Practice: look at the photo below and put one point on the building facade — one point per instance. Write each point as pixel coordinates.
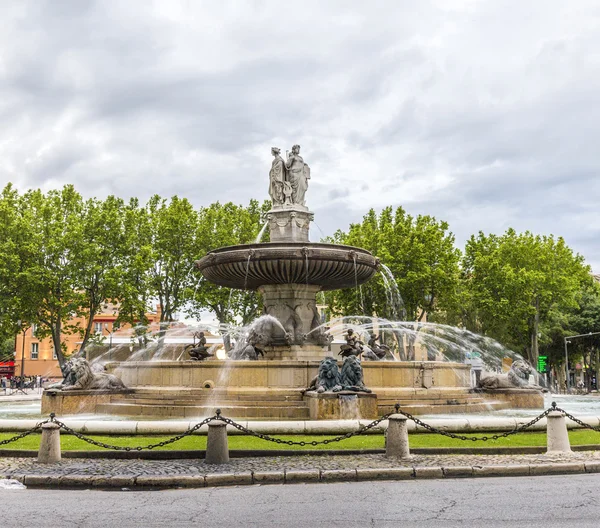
(36, 356)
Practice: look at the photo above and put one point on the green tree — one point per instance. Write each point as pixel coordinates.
(227, 225)
(50, 293)
(580, 320)
(420, 253)
(99, 261)
(173, 230)
(7, 348)
(136, 262)
(517, 283)
(11, 261)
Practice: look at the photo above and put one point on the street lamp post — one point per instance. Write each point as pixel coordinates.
(22, 376)
(567, 366)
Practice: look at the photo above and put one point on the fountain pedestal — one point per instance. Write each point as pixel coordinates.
(289, 223)
(343, 405)
(295, 306)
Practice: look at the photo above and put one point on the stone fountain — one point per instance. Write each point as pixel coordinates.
(289, 271)
(296, 376)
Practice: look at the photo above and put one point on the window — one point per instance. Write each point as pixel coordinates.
(33, 329)
(98, 328)
(35, 348)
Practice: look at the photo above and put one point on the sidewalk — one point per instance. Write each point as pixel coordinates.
(12, 395)
(137, 474)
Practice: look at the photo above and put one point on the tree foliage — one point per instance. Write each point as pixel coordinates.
(227, 225)
(519, 283)
(419, 252)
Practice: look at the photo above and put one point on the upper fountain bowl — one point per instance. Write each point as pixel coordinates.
(250, 266)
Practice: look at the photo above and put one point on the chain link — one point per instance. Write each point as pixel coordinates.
(302, 443)
(576, 420)
(432, 429)
(24, 434)
(128, 448)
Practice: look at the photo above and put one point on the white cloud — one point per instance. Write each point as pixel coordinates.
(483, 113)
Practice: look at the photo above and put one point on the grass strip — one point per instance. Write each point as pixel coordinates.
(69, 442)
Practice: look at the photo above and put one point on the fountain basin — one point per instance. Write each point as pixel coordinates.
(273, 390)
(249, 266)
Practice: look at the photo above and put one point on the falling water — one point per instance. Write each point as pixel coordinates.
(261, 232)
(250, 253)
(362, 304)
(395, 300)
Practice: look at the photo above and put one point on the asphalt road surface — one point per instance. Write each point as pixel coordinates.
(483, 502)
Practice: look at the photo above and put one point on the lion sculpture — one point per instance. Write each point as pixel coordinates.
(78, 375)
(352, 375)
(516, 378)
(328, 378)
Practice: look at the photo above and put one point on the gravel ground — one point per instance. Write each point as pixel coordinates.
(108, 467)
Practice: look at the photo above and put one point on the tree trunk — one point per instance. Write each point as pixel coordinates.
(56, 341)
(88, 328)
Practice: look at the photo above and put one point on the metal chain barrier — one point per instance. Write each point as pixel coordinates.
(302, 443)
(432, 429)
(576, 420)
(128, 448)
(37, 427)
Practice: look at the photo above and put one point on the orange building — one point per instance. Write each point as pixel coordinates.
(39, 356)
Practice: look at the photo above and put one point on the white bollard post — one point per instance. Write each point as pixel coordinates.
(557, 435)
(396, 444)
(49, 452)
(217, 446)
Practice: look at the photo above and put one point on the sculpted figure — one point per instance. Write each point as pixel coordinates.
(298, 174)
(353, 346)
(328, 378)
(378, 351)
(351, 376)
(79, 376)
(199, 351)
(247, 351)
(277, 179)
(516, 378)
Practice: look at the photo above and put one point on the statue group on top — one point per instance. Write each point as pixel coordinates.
(288, 179)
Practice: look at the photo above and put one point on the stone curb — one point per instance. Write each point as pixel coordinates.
(245, 478)
(472, 424)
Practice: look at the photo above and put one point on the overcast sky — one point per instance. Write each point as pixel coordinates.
(481, 113)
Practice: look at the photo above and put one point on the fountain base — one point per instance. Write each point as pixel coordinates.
(343, 405)
(515, 398)
(272, 390)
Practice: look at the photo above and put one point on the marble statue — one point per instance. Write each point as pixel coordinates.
(516, 378)
(78, 375)
(279, 187)
(298, 174)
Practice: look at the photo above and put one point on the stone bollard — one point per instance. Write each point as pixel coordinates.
(396, 444)
(217, 447)
(557, 436)
(49, 452)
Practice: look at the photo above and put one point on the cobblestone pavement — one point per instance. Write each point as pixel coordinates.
(136, 468)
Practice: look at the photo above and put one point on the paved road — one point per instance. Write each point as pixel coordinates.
(555, 501)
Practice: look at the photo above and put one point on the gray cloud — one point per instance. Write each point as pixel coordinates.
(484, 114)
